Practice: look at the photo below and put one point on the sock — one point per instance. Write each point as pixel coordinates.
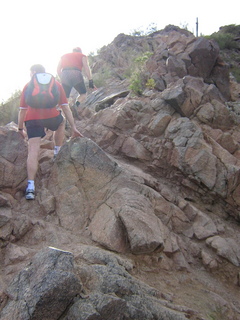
(56, 149)
(77, 103)
(31, 185)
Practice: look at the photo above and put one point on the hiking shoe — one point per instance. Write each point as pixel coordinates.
(29, 195)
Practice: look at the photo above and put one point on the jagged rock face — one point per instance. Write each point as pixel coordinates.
(43, 289)
(114, 206)
(140, 218)
(12, 154)
(150, 131)
(175, 54)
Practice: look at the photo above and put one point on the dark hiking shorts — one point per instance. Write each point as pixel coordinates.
(72, 79)
(36, 128)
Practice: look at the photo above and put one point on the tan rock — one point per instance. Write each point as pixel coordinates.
(134, 149)
(226, 248)
(204, 227)
(108, 230)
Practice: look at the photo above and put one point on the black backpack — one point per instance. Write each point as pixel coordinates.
(42, 91)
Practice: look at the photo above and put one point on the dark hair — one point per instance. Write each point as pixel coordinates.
(38, 68)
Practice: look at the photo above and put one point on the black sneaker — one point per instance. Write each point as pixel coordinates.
(30, 194)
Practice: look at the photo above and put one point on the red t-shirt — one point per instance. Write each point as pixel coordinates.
(36, 114)
(71, 60)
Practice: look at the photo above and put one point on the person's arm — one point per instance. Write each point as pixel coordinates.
(21, 117)
(68, 114)
(22, 112)
(88, 72)
(59, 67)
(23, 107)
(86, 68)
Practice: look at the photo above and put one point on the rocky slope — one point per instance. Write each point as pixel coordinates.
(140, 218)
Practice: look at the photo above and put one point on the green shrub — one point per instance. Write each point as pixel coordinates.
(136, 83)
(224, 40)
(151, 83)
(141, 60)
(9, 110)
(100, 78)
(232, 28)
(151, 28)
(236, 73)
(138, 68)
(15, 94)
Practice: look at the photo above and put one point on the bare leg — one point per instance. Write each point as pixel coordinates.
(59, 134)
(32, 160)
(81, 98)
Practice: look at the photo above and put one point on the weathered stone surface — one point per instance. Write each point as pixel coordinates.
(228, 143)
(204, 227)
(15, 254)
(5, 200)
(220, 76)
(87, 166)
(226, 248)
(104, 228)
(191, 153)
(109, 100)
(203, 54)
(159, 123)
(176, 66)
(133, 149)
(6, 224)
(5, 216)
(43, 289)
(13, 155)
(206, 113)
(116, 289)
(194, 92)
(143, 228)
(107, 307)
(124, 219)
(175, 96)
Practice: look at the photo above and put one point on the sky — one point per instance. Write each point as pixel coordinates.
(33, 31)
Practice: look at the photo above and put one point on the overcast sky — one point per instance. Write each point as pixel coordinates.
(41, 31)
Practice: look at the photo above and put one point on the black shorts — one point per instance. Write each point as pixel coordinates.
(80, 88)
(73, 79)
(36, 128)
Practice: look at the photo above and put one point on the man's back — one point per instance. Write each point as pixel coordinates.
(71, 60)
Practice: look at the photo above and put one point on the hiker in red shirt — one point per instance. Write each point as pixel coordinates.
(70, 70)
(37, 120)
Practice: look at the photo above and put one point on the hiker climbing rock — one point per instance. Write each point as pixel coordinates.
(40, 102)
(70, 69)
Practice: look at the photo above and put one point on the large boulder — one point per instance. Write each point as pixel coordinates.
(203, 54)
(13, 157)
(44, 289)
(93, 191)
